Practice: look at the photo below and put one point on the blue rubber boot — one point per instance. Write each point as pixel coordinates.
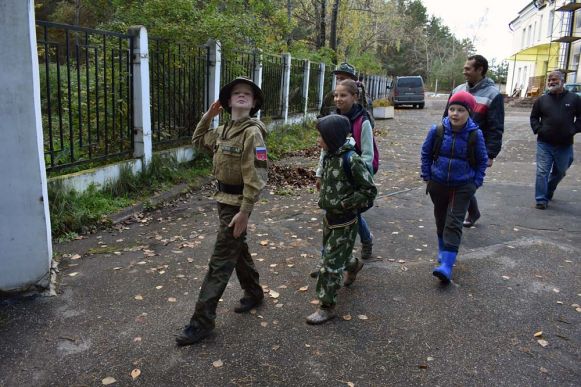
(444, 271)
(440, 248)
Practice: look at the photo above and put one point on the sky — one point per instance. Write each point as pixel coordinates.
(487, 22)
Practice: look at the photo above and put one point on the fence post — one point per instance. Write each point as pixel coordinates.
(286, 70)
(215, 71)
(321, 86)
(258, 73)
(306, 75)
(142, 147)
(25, 229)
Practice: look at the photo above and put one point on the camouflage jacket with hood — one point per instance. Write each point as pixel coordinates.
(340, 196)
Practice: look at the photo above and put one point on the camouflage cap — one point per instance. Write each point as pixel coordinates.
(346, 68)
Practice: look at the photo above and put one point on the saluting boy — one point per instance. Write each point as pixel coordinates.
(240, 166)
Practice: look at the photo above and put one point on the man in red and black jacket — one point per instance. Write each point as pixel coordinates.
(488, 114)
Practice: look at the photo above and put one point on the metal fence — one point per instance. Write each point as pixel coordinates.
(328, 81)
(314, 87)
(272, 78)
(178, 89)
(296, 99)
(86, 94)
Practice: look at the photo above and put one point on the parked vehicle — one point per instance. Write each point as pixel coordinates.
(409, 90)
(573, 87)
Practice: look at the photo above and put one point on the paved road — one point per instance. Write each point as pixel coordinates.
(130, 289)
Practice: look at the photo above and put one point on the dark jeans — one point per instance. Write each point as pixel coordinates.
(450, 206)
(473, 210)
(229, 253)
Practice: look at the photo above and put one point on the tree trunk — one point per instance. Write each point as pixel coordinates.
(322, 14)
(334, 16)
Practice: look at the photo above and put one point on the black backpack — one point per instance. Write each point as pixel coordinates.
(472, 138)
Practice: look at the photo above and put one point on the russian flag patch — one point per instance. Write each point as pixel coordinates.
(261, 153)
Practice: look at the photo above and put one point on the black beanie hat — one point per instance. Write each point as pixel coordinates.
(334, 130)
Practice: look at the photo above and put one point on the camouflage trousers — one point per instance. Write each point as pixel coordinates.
(229, 253)
(337, 256)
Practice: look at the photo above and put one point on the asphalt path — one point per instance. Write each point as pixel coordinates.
(511, 317)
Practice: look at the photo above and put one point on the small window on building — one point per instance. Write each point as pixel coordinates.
(550, 23)
(540, 27)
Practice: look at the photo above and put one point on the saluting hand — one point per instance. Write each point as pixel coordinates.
(215, 109)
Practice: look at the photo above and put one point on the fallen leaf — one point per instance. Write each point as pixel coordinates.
(135, 373)
(218, 363)
(76, 256)
(138, 297)
(505, 277)
(304, 288)
(315, 302)
(73, 274)
(274, 294)
(264, 242)
(543, 343)
(430, 358)
(108, 380)
(362, 317)
(264, 324)
(347, 317)
(137, 339)
(117, 268)
(275, 347)
(538, 334)
(556, 290)
(544, 370)
(423, 366)
(273, 265)
(171, 299)
(350, 384)
(159, 287)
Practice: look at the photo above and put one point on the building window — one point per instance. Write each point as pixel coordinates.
(534, 32)
(550, 23)
(540, 27)
(524, 34)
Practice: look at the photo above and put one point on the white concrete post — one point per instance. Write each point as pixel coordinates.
(142, 147)
(307, 72)
(258, 74)
(215, 71)
(321, 86)
(25, 236)
(286, 67)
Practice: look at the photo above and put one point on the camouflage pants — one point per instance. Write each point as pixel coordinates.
(229, 253)
(337, 257)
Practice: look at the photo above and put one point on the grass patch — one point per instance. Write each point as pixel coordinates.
(72, 212)
(290, 138)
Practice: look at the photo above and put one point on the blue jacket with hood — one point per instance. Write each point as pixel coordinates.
(452, 166)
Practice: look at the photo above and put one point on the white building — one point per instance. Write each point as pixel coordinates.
(546, 35)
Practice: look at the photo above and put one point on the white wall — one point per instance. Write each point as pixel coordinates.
(25, 240)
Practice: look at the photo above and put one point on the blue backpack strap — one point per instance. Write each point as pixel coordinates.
(347, 165)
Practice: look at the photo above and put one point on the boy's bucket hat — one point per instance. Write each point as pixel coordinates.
(227, 90)
(346, 68)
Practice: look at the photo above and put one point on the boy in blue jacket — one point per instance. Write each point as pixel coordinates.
(453, 164)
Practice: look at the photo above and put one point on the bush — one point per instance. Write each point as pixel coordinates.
(382, 102)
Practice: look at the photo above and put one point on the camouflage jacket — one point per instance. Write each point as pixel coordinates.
(240, 157)
(340, 196)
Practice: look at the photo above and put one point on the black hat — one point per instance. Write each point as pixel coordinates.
(227, 90)
(334, 130)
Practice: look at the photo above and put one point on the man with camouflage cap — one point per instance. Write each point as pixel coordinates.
(240, 166)
(344, 71)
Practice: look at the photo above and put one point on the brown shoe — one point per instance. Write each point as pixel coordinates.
(321, 316)
(351, 276)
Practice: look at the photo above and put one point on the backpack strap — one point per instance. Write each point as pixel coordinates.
(472, 138)
(347, 165)
(438, 142)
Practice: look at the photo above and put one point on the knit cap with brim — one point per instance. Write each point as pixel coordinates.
(334, 130)
(463, 98)
(226, 91)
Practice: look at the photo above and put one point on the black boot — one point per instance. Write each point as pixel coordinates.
(192, 335)
(248, 302)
